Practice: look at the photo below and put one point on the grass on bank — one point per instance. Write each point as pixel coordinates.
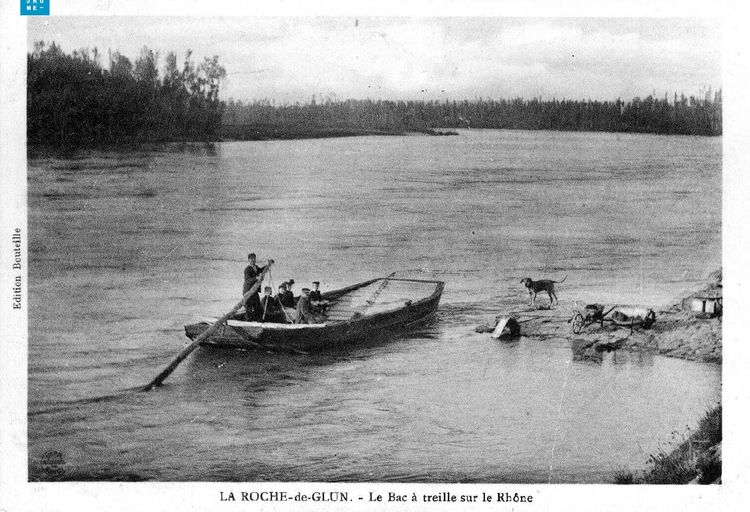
(696, 460)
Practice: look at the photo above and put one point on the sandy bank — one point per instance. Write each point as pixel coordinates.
(676, 332)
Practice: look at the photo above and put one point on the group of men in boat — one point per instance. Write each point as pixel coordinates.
(284, 307)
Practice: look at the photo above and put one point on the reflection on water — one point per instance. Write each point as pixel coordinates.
(127, 248)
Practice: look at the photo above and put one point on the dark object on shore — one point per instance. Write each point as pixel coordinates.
(503, 328)
(507, 328)
(365, 310)
(435, 132)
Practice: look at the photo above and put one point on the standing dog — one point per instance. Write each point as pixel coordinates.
(543, 285)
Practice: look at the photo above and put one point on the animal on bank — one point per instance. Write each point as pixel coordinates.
(543, 285)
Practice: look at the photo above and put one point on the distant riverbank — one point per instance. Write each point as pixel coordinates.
(288, 132)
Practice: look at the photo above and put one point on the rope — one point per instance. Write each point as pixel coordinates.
(369, 302)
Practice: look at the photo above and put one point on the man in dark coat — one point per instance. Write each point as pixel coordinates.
(287, 298)
(252, 272)
(287, 305)
(315, 295)
(280, 295)
(316, 300)
(253, 308)
(271, 308)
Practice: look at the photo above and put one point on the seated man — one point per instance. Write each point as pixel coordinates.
(316, 299)
(305, 313)
(287, 298)
(287, 306)
(315, 294)
(271, 307)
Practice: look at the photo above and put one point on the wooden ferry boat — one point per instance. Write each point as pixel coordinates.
(362, 311)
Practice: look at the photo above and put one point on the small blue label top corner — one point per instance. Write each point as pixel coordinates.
(35, 7)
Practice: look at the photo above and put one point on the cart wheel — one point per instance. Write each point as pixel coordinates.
(578, 323)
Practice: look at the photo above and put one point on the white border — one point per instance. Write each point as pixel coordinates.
(16, 494)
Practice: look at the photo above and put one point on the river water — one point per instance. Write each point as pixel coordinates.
(126, 248)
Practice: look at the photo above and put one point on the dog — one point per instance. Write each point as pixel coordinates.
(543, 285)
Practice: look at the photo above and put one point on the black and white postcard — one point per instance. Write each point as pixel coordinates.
(365, 257)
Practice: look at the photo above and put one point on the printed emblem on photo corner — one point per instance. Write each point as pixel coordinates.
(35, 7)
(53, 463)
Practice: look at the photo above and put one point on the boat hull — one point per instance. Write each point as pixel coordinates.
(317, 337)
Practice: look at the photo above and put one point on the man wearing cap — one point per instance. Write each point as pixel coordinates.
(287, 309)
(305, 314)
(252, 272)
(287, 298)
(280, 295)
(315, 295)
(316, 299)
(270, 307)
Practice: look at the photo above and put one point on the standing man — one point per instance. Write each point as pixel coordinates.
(252, 272)
(253, 310)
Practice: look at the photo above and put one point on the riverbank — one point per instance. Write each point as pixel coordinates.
(677, 332)
(223, 134)
(680, 333)
(290, 132)
(697, 460)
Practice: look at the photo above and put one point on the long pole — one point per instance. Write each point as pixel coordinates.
(205, 334)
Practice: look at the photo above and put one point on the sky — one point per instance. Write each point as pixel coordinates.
(289, 59)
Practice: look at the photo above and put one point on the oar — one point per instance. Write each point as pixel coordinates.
(187, 350)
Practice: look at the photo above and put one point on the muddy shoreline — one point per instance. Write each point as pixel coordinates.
(677, 332)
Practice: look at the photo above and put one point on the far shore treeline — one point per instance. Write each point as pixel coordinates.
(676, 115)
(75, 101)
(72, 100)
